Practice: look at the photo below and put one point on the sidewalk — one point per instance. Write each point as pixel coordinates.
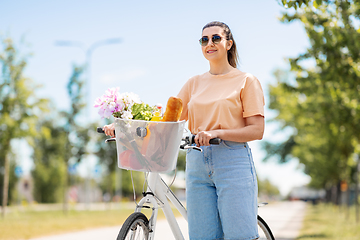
(163, 232)
(284, 219)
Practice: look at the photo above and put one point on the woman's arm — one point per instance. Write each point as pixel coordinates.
(253, 130)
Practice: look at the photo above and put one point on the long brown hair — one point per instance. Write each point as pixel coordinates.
(232, 54)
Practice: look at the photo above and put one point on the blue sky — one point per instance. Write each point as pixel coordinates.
(159, 51)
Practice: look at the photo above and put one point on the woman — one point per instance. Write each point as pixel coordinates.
(221, 185)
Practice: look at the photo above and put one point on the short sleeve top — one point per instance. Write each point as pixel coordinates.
(213, 102)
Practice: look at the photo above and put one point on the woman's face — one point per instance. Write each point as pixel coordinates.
(215, 52)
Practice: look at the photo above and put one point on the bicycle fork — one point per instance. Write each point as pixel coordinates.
(156, 195)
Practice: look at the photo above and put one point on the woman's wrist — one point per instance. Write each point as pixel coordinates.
(216, 133)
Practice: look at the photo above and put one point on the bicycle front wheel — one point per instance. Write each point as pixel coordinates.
(264, 230)
(136, 227)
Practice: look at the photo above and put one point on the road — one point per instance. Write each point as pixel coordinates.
(284, 219)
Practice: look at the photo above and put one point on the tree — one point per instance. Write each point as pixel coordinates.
(13, 178)
(49, 166)
(61, 143)
(321, 104)
(301, 3)
(19, 106)
(77, 133)
(181, 161)
(267, 188)
(107, 155)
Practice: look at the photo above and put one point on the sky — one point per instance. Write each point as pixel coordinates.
(157, 53)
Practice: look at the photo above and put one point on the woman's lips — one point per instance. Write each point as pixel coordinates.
(211, 51)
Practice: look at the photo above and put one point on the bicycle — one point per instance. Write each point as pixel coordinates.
(158, 194)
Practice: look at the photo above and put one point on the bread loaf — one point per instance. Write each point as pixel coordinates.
(173, 110)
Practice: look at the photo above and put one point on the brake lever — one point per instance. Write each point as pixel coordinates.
(110, 140)
(193, 147)
(188, 141)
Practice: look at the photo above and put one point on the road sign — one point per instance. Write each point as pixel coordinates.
(18, 171)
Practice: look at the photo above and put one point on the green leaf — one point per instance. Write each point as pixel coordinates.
(317, 3)
(142, 111)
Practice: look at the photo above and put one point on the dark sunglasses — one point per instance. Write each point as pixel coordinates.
(205, 40)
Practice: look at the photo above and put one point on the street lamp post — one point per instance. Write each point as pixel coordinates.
(88, 53)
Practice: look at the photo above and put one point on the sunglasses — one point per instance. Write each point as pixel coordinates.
(205, 40)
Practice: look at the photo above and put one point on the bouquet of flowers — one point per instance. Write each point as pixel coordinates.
(125, 106)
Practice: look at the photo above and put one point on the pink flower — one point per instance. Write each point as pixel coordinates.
(113, 103)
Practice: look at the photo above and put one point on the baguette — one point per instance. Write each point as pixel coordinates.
(173, 110)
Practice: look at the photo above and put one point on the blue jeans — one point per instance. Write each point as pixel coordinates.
(221, 192)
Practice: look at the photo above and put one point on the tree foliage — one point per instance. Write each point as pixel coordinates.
(267, 188)
(19, 106)
(106, 153)
(115, 181)
(181, 161)
(62, 142)
(49, 165)
(302, 3)
(322, 104)
(77, 132)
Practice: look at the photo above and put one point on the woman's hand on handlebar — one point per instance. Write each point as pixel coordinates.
(109, 130)
(203, 138)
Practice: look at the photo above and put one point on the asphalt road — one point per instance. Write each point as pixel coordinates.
(284, 219)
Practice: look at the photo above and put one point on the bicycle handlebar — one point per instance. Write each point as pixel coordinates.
(189, 140)
(100, 130)
(213, 141)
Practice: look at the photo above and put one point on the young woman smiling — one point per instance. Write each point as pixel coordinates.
(226, 103)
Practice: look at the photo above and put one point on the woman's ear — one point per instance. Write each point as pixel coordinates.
(229, 44)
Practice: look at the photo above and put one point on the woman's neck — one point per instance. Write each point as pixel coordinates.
(220, 69)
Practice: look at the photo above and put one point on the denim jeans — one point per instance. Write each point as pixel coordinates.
(221, 192)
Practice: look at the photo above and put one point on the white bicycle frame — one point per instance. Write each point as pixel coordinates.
(157, 195)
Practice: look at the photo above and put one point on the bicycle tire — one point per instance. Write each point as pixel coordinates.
(264, 230)
(135, 227)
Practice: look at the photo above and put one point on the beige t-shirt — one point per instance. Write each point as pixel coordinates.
(221, 101)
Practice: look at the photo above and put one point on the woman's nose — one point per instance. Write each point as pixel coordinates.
(210, 42)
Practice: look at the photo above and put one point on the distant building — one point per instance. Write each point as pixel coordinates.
(306, 194)
(25, 189)
(77, 193)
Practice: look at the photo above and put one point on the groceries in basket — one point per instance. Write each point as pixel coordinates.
(173, 110)
(146, 141)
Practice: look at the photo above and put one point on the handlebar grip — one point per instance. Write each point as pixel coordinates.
(100, 130)
(213, 141)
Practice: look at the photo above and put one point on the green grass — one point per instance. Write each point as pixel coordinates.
(29, 223)
(330, 222)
